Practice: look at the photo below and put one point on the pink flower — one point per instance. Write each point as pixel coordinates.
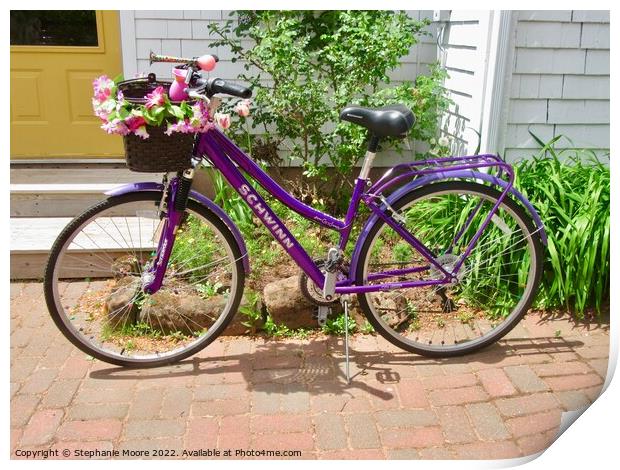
(141, 132)
(102, 88)
(222, 120)
(201, 114)
(243, 108)
(115, 127)
(182, 126)
(206, 127)
(103, 95)
(98, 109)
(102, 83)
(134, 122)
(102, 110)
(156, 97)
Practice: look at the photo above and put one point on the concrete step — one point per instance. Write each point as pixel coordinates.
(90, 253)
(81, 175)
(59, 200)
(65, 192)
(46, 195)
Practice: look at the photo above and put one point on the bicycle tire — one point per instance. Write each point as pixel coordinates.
(112, 202)
(409, 199)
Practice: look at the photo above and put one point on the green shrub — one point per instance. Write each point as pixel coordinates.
(571, 191)
(306, 66)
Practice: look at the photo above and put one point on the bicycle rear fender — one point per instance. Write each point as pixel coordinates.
(444, 176)
(201, 199)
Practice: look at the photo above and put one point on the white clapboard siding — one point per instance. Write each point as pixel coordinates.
(185, 33)
(560, 82)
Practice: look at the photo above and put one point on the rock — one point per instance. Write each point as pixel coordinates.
(287, 305)
(355, 311)
(169, 312)
(120, 307)
(124, 266)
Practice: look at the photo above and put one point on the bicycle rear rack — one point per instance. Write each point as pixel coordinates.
(446, 166)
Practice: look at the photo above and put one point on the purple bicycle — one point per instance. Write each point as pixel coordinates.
(447, 262)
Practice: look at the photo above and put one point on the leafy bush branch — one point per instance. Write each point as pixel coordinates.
(305, 66)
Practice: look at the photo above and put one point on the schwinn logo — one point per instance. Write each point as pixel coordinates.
(268, 219)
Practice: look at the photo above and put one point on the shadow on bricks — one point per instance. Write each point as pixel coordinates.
(277, 367)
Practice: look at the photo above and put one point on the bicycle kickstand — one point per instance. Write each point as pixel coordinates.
(345, 303)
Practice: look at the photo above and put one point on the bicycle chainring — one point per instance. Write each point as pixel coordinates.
(311, 291)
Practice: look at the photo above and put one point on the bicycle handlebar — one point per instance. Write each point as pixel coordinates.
(205, 62)
(213, 86)
(217, 85)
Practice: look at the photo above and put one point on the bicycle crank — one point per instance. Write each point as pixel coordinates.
(314, 293)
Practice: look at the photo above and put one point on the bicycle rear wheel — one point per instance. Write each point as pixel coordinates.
(496, 284)
(93, 283)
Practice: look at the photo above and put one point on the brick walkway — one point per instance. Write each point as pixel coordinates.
(290, 395)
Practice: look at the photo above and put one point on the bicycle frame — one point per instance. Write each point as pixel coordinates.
(226, 157)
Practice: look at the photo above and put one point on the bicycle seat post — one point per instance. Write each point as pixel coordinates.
(371, 153)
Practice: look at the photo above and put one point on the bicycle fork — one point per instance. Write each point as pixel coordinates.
(172, 209)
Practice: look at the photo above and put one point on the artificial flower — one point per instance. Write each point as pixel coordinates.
(156, 97)
(102, 87)
(182, 125)
(116, 126)
(134, 122)
(109, 104)
(141, 132)
(200, 115)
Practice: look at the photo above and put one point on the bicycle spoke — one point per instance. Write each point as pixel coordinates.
(113, 316)
(490, 282)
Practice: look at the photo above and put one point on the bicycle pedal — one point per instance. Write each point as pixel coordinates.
(321, 315)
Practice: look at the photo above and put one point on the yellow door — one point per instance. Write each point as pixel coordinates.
(55, 55)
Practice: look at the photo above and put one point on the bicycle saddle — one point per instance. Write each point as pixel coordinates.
(388, 121)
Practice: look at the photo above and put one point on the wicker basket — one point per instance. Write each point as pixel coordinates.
(160, 152)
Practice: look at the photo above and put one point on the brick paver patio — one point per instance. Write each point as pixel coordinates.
(243, 393)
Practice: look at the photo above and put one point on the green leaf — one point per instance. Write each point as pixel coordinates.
(123, 113)
(177, 111)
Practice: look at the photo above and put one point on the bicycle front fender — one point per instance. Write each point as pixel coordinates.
(201, 199)
(443, 176)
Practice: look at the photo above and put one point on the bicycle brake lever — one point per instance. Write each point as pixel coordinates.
(198, 96)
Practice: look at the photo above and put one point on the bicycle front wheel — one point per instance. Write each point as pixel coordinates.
(495, 285)
(94, 291)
